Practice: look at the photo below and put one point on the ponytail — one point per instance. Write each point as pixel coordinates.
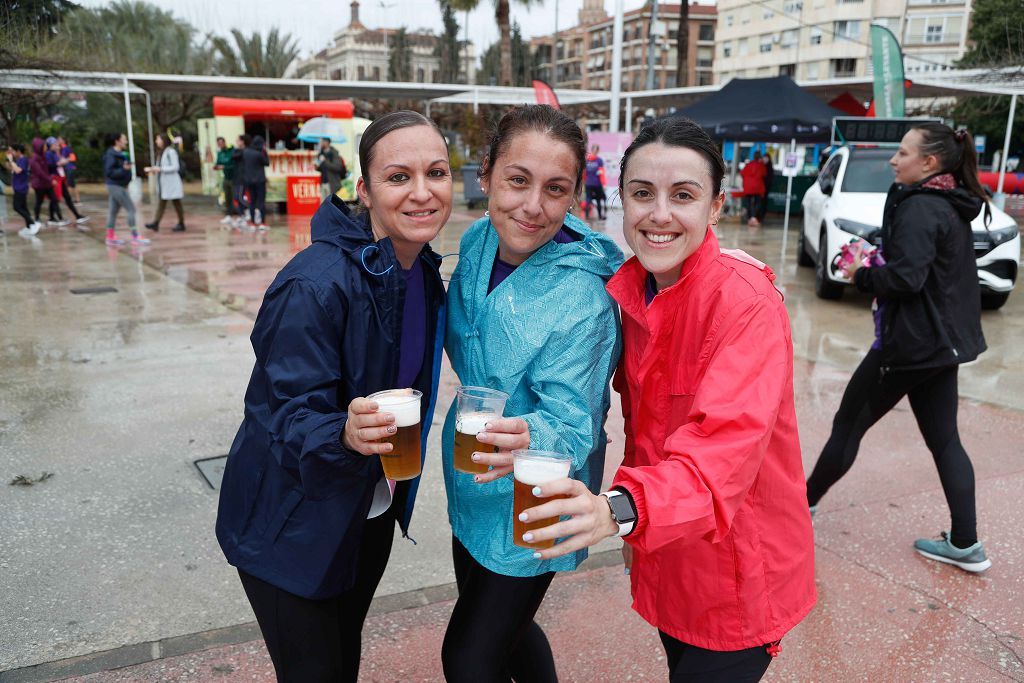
(956, 155)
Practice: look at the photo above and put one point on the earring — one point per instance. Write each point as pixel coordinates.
(487, 214)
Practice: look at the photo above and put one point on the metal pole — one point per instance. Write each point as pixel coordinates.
(149, 130)
(131, 135)
(651, 43)
(613, 101)
(466, 48)
(554, 52)
(312, 96)
(1006, 150)
(789, 192)
(629, 113)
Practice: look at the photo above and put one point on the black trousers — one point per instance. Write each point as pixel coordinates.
(228, 188)
(320, 641)
(48, 193)
(933, 396)
(492, 636)
(596, 199)
(21, 207)
(692, 664)
(162, 206)
(257, 201)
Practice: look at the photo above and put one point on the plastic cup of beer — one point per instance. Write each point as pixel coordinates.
(534, 468)
(403, 462)
(475, 407)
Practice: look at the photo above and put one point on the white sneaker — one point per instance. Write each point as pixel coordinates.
(257, 217)
(61, 223)
(82, 219)
(25, 232)
(262, 228)
(227, 220)
(34, 228)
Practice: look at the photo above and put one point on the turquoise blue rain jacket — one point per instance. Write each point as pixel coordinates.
(548, 335)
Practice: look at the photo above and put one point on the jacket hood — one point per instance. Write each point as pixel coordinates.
(258, 142)
(594, 252)
(336, 224)
(964, 203)
(38, 145)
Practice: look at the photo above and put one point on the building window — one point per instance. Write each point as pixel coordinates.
(705, 32)
(933, 34)
(812, 71)
(932, 29)
(787, 70)
(766, 43)
(727, 49)
(848, 2)
(361, 73)
(767, 14)
(704, 56)
(745, 17)
(843, 68)
(728, 20)
(705, 78)
(344, 73)
(420, 75)
(743, 47)
(376, 73)
(335, 75)
(789, 39)
(792, 7)
(815, 37)
(847, 29)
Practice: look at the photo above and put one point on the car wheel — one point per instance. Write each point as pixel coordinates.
(802, 257)
(993, 301)
(823, 287)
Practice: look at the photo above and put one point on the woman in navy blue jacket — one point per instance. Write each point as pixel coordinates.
(306, 514)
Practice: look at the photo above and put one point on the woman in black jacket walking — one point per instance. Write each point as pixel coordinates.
(254, 176)
(927, 321)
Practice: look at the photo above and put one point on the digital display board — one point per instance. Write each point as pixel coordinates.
(857, 130)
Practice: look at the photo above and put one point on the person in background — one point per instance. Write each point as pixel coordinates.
(254, 176)
(595, 180)
(769, 176)
(169, 185)
(42, 184)
(927, 315)
(56, 165)
(70, 169)
(332, 168)
(710, 497)
(305, 514)
(17, 164)
(753, 174)
(117, 175)
(241, 201)
(226, 165)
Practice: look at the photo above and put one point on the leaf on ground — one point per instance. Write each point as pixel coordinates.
(26, 480)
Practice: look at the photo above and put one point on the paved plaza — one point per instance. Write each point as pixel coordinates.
(109, 569)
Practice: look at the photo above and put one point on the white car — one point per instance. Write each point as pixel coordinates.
(846, 202)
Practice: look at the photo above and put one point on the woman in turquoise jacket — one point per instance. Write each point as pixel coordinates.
(528, 315)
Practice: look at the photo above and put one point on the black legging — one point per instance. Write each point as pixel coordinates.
(492, 636)
(320, 641)
(178, 209)
(21, 207)
(70, 202)
(257, 201)
(933, 398)
(691, 664)
(48, 193)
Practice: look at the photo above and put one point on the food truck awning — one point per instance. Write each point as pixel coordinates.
(233, 106)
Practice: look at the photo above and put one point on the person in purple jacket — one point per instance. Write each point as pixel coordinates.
(56, 165)
(42, 183)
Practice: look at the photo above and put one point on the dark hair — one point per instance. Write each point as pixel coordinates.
(246, 139)
(389, 123)
(166, 138)
(678, 131)
(220, 138)
(955, 151)
(325, 139)
(543, 119)
(111, 138)
(18, 147)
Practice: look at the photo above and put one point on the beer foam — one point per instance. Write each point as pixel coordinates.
(404, 407)
(472, 423)
(536, 471)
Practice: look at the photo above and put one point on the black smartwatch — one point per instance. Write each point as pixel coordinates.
(623, 512)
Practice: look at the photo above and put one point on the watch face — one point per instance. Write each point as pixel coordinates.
(622, 509)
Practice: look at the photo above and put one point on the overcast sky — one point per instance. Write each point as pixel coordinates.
(314, 22)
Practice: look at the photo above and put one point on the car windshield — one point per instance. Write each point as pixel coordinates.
(869, 171)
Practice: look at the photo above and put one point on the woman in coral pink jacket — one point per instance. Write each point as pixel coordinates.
(710, 497)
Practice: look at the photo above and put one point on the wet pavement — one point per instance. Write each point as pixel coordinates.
(109, 570)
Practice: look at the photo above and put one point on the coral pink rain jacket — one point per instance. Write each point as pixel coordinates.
(723, 549)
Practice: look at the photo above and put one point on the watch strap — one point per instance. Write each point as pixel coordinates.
(625, 526)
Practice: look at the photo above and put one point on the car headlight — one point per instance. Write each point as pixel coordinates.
(854, 228)
(1002, 234)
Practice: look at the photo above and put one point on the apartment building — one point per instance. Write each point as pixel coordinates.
(585, 50)
(823, 39)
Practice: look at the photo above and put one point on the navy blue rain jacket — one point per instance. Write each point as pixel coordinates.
(114, 172)
(293, 501)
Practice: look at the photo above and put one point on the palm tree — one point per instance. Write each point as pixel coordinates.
(249, 56)
(683, 44)
(501, 15)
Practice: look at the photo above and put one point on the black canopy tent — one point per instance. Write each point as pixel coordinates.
(763, 110)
